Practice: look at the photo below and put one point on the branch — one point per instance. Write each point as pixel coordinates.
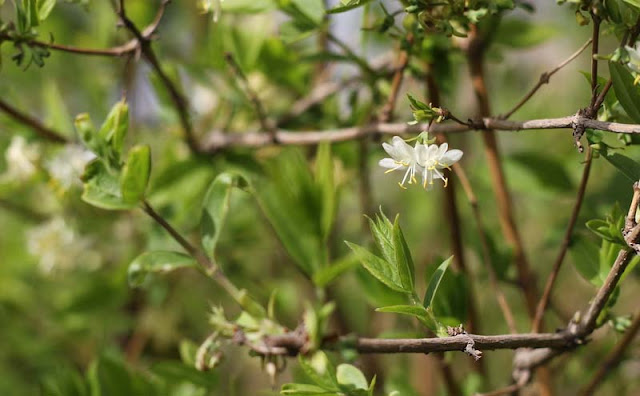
(207, 264)
(217, 140)
(484, 244)
(178, 100)
(265, 123)
(544, 300)
(475, 58)
(292, 343)
(129, 47)
(39, 128)
(544, 79)
(526, 360)
(613, 358)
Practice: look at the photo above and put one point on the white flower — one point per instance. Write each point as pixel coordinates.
(432, 159)
(634, 58)
(59, 247)
(402, 156)
(22, 158)
(68, 164)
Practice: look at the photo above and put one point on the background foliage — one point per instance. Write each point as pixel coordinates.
(78, 318)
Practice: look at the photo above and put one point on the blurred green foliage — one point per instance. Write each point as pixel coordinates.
(105, 302)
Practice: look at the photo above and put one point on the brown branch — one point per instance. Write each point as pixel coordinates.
(179, 102)
(39, 128)
(595, 39)
(484, 244)
(263, 118)
(613, 359)
(544, 79)
(217, 140)
(386, 114)
(544, 300)
(526, 360)
(292, 343)
(475, 59)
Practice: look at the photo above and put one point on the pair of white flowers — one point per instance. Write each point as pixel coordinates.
(429, 160)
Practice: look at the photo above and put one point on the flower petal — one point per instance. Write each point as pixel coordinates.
(442, 149)
(450, 158)
(388, 163)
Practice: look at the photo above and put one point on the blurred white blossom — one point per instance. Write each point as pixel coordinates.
(59, 247)
(22, 159)
(68, 164)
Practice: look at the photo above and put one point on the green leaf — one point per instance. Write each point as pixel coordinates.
(628, 167)
(325, 276)
(320, 370)
(157, 262)
(634, 3)
(216, 206)
(175, 372)
(382, 231)
(290, 199)
(519, 33)
(351, 377)
(548, 171)
(306, 390)
(108, 376)
(135, 174)
(102, 187)
(425, 316)
(434, 282)
(377, 267)
(325, 181)
(349, 5)
(44, 8)
(450, 305)
(627, 93)
(585, 258)
(403, 259)
(114, 129)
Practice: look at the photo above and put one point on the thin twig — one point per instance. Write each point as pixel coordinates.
(386, 114)
(544, 300)
(130, 47)
(179, 102)
(263, 118)
(39, 128)
(544, 79)
(361, 62)
(613, 359)
(207, 264)
(595, 39)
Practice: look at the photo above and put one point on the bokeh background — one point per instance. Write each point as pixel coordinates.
(65, 305)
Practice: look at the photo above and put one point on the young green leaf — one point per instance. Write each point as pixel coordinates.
(156, 262)
(351, 377)
(305, 390)
(424, 315)
(135, 174)
(627, 92)
(102, 187)
(403, 259)
(432, 289)
(215, 207)
(377, 267)
(320, 370)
